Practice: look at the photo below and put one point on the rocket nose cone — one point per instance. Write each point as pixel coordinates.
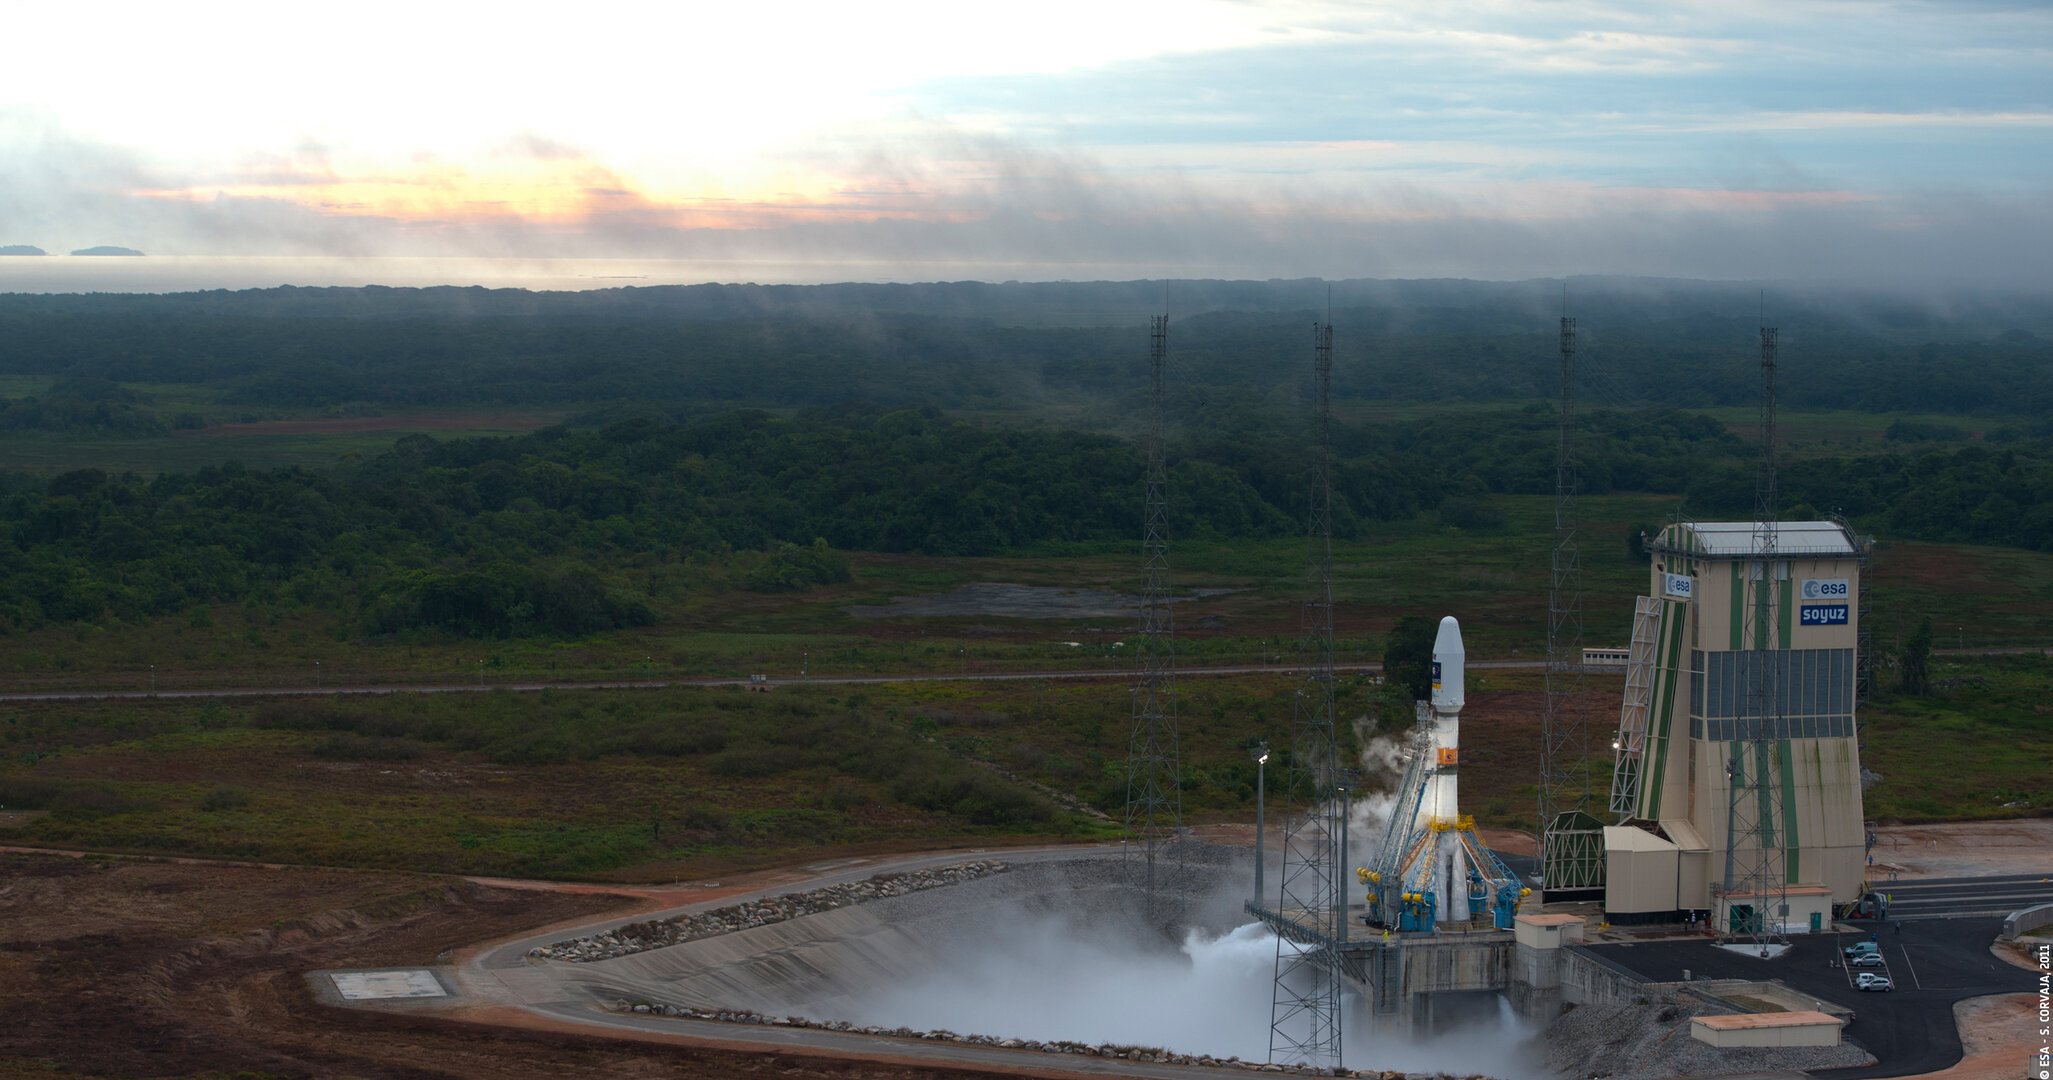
(1449, 638)
(1450, 661)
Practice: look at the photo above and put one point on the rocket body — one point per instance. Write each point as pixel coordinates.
(1449, 663)
(1441, 802)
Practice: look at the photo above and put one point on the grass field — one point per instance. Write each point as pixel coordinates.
(650, 784)
(647, 783)
(1496, 583)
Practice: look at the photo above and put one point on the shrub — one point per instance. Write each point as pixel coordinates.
(70, 798)
(349, 746)
(754, 760)
(227, 798)
(1471, 513)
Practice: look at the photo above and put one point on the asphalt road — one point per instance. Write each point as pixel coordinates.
(651, 684)
(1910, 1030)
(1947, 898)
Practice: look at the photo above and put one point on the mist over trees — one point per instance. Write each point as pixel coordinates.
(746, 438)
(969, 345)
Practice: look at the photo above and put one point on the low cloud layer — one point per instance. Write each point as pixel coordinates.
(950, 206)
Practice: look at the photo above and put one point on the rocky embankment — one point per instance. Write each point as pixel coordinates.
(1145, 1054)
(658, 933)
(1652, 1042)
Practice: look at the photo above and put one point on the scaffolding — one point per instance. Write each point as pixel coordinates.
(1629, 750)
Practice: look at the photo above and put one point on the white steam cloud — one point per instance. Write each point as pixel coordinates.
(1047, 979)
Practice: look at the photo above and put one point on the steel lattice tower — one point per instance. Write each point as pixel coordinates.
(1754, 858)
(1304, 1022)
(1566, 859)
(1154, 794)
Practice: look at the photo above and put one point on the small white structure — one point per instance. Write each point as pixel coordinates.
(1767, 1029)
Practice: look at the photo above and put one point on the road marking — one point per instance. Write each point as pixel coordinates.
(1913, 967)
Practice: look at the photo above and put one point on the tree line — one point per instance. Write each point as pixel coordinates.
(575, 530)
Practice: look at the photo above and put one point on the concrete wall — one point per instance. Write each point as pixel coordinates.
(2026, 921)
(1451, 963)
(822, 965)
(1589, 979)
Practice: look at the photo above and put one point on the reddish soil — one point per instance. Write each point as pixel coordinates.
(130, 967)
(1500, 749)
(408, 422)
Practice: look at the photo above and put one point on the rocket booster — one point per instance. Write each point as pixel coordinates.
(1441, 802)
(1449, 663)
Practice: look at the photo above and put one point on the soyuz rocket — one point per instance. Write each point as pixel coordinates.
(1440, 804)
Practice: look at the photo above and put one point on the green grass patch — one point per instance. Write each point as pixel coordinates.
(1980, 746)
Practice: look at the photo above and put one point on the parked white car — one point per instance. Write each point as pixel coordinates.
(1869, 980)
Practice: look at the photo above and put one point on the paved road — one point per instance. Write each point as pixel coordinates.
(1946, 898)
(1934, 963)
(652, 684)
(503, 974)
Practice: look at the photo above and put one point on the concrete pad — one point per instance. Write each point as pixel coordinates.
(385, 985)
(1753, 952)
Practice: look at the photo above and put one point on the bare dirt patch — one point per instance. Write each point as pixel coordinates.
(1004, 600)
(128, 967)
(1965, 849)
(1991, 1030)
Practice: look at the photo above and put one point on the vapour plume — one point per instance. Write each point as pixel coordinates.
(1047, 976)
(1381, 768)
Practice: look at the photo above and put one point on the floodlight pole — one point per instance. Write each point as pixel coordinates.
(1261, 756)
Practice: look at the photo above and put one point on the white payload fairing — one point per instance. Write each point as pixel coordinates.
(1440, 805)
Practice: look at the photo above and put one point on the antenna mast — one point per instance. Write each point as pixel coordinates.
(1756, 878)
(1154, 794)
(1571, 858)
(1304, 1022)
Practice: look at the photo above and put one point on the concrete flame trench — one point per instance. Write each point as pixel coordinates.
(1411, 977)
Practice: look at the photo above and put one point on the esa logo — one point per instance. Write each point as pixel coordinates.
(1436, 674)
(1826, 589)
(1823, 614)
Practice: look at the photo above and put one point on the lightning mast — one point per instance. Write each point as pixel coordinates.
(1755, 869)
(1571, 856)
(1154, 799)
(1304, 1021)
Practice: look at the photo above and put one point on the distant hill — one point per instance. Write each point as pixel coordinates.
(21, 249)
(105, 249)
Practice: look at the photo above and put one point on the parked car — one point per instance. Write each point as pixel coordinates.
(1861, 948)
(1873, 959)
(1868, 980)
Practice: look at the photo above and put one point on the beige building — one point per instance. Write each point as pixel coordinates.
(1692, 699)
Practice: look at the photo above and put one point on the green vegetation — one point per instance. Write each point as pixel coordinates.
(556, 783)
(1979, 745)
(743, 480)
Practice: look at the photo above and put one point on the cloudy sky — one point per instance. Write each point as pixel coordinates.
(1495, 139)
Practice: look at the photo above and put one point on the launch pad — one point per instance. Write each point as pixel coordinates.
(1431, 867)
(1400, 971)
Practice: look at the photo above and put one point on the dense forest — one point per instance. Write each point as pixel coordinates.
(682, 351)
(574, 530)
(746, 437)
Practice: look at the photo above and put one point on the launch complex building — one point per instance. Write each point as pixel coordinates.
(1688, 711)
